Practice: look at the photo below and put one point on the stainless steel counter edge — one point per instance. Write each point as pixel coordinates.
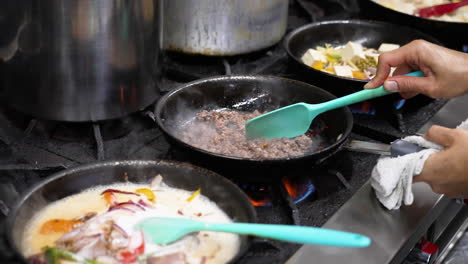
(389, 230)
(392, 232)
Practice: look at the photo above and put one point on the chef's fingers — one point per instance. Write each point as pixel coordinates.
(435, 172)
(406, 57)
(418, 178)
(408, 95)
(382, 73)
(402, 70)
(427, 169)
(409, 84)
(432, 170)
(395, 58)
(441, 135)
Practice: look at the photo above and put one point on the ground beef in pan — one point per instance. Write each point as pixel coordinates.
(224, 133)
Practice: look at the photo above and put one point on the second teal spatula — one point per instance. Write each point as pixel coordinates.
(294, 120)
(162, 230)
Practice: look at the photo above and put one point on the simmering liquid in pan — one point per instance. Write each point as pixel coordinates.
(106, 235)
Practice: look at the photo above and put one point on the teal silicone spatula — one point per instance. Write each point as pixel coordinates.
(162, 230)
(294, 120)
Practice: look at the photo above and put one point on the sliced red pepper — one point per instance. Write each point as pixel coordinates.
(136, 247)
(118, 191)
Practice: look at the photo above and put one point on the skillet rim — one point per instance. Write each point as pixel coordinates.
(331, 148)
(291, 35)
(418, 17)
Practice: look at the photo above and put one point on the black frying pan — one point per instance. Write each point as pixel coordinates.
(452, 34)
(337, 33)
(179, 175)
(248, 93)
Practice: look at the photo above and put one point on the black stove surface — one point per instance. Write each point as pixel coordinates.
(31, 149)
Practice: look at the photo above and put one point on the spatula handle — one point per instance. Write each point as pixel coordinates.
(297, 234)
(360, 96)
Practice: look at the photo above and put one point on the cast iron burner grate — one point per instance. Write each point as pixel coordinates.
(43, 144)
(329, 10)
(89, 132)
(180, 68)
(70, 131)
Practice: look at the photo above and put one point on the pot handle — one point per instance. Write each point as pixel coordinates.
(12, 19)
(16, 18)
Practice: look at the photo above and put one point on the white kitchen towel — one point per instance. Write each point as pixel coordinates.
(392, 178)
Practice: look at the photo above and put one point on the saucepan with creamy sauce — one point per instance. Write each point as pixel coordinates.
(87, 214)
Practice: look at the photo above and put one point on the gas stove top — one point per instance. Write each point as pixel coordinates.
(31, 149)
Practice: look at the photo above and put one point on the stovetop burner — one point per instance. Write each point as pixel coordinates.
(292, 187)
(71, 131)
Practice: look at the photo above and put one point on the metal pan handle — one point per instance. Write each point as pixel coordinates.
(396, 148)
(401, 148)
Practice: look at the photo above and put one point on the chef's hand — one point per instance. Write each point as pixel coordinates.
(447, 171)
(446, 71)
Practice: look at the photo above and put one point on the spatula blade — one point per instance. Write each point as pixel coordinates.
(290, 121)
(165, 230)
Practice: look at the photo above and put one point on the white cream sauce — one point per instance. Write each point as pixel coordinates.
(215, 247)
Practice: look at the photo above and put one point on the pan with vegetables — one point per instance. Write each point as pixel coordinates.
(88, 214)
(341, 56)
(352, 60)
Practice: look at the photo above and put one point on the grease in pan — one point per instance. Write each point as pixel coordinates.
(223, 132)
